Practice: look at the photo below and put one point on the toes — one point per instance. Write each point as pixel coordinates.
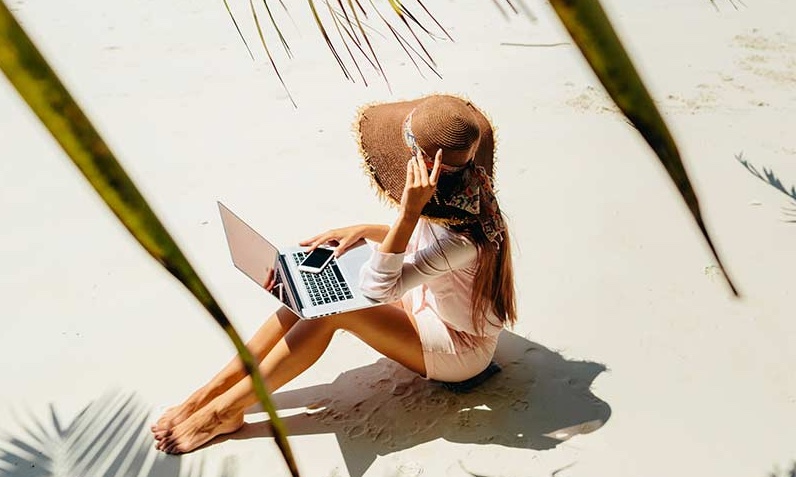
(173, 448)
(165, 444)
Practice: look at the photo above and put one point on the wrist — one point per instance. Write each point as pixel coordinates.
(408, 215)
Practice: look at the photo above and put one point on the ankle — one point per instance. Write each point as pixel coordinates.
(207, 393)
(225, 406)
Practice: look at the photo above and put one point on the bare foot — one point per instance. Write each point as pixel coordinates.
(173, 416)
(197, 429)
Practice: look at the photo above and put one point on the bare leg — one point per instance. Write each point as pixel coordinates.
(387, 329)
(266, 337)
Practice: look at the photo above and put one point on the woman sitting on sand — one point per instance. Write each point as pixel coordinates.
(443, 269)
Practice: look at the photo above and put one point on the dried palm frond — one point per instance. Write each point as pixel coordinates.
(592, 32)
(347, 18)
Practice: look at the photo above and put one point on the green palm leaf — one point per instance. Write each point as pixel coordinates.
(40, 87)
(591, 30)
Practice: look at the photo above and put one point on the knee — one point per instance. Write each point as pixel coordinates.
(343, 321)
(286, 317)
(325, 325)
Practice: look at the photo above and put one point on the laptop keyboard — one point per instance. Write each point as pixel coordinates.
(328, 286)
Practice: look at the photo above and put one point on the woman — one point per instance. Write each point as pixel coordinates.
(443, 269)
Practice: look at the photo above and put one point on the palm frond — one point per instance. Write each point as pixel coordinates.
(45, 94)
(362, 32)
(347, 19)
(408, 49)
(340, 28)
(328, 40)
(590, 28)
(268, 51)
(276, 27)
(237, 28)
(434, 19)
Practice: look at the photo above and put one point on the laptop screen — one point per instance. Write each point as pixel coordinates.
(251, 253)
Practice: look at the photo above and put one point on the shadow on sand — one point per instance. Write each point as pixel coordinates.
(537, 401)
(109, 438)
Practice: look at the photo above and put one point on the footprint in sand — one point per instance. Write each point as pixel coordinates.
(768, 56)
(703, 98)
(592, 100)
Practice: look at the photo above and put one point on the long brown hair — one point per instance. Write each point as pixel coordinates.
(494, 278)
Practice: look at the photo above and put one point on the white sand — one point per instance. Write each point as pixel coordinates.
(611, 270)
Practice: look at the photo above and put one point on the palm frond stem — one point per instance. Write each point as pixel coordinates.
(337, 22)
(434, 19)
(240, 34)
(278, 30)
(328, 40)
(268, 52)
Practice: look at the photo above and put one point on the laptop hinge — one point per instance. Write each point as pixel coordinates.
(292, 295)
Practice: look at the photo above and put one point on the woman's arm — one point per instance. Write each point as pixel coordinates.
(396, 239)
(376, 232)
(387, 276)
(418, 189)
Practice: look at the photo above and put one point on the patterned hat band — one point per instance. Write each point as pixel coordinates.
(474, 194)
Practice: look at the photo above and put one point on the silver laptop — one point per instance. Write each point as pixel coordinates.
(309, 295)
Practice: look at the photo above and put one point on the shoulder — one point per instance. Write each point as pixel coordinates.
(453, 245)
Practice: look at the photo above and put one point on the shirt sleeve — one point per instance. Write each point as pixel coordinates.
(387, 276)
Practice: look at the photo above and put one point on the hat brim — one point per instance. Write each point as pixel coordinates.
(385, 154)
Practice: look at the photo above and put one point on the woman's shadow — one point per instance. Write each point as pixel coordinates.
(537, 401)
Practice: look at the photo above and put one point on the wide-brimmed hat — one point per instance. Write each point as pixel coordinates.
(387, 131)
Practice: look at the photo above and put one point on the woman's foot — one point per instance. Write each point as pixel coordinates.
(198, 429)
(177, 414)
(173, 416)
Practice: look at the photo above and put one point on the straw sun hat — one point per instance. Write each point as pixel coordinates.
(387, 133)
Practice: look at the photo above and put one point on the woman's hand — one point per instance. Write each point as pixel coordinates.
(343, 238)
(420, 185)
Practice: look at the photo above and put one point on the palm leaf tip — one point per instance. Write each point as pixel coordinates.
(591, 30)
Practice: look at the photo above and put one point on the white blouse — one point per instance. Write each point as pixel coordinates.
(437, 271)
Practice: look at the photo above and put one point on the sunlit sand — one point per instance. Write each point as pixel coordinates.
(630, 357)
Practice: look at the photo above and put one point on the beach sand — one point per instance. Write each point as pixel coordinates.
(630, 356)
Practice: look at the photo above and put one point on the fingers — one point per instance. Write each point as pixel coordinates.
(310, 241)
(411, 168)
(422, 173)
(341, 248)
(316, 241)
(269, 280)
(435, 171)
